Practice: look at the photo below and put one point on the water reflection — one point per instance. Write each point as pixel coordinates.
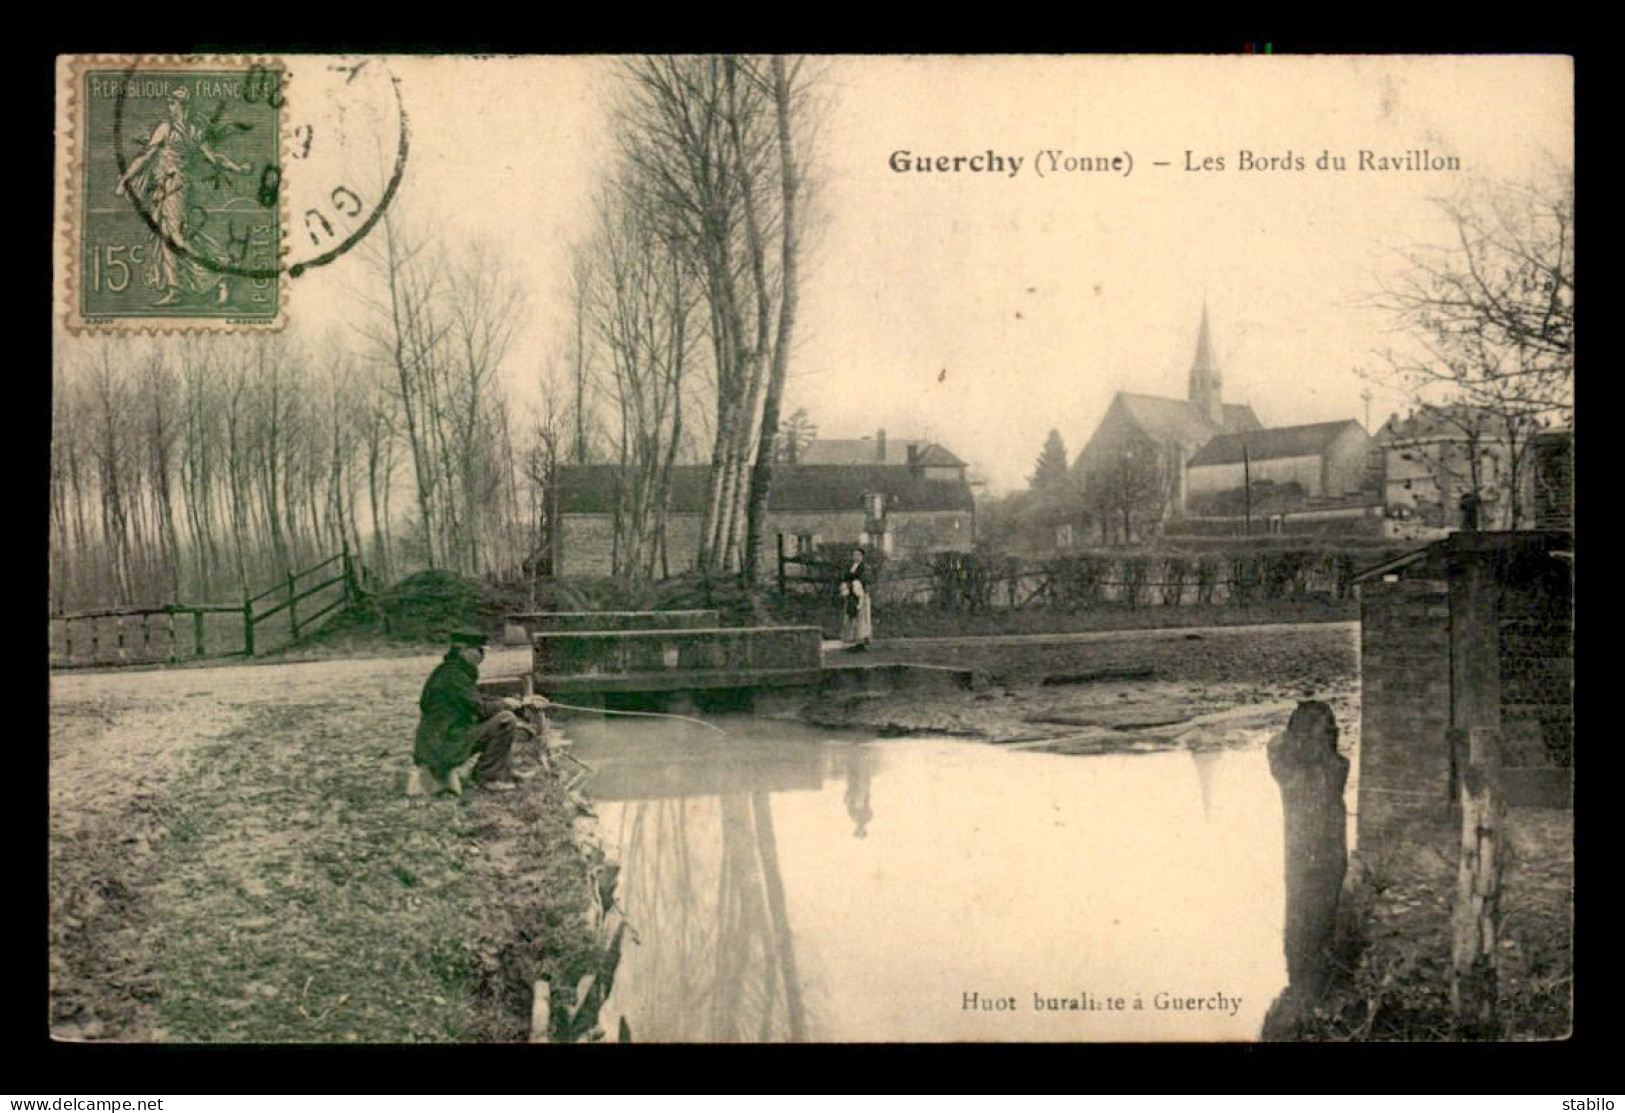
(769, 905)
(859, 760)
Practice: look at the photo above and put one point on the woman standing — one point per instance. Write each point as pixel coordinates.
(856, 622)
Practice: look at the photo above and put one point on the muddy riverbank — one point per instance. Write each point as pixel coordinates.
(1112, 692)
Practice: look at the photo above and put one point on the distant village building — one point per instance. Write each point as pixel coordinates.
(1438, 456)
(1320, 462)
(910, 498)
(1168, 430)
(1554, 480)
(932, 460)
(1221, 471)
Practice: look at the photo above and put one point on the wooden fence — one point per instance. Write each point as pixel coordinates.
(188, 632)
(969, 581)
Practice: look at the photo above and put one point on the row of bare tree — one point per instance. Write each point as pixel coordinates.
(685, 298)
(203, 469)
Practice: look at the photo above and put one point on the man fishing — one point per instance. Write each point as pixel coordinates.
(458, 721)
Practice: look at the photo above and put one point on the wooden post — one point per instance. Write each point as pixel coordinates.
(248, 629)
(1476, 922)
(169, 625)
(1475, 650)
(197, 630)
(1246, 492)
(118, 625)
(67, 639)
(146, 637)
(293, 611)
(782, 588)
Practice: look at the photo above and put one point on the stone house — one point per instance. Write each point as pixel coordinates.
(917, 504)
(1431, 459)
(1554, 479)
(1328, 460)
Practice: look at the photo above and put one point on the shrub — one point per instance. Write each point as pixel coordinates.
(1136, 572)
(1208, 571)
(427, 605)
(1175, 569)
(1075, 581)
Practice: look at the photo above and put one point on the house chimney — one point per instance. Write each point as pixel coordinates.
(880, 447)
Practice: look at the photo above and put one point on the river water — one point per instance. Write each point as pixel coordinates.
(785, 884)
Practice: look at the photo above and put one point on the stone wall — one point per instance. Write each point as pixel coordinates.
(670, 660)
(538, 622)
(586, 544)
(1404, 705)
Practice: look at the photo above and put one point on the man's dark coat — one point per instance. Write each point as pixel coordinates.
(452, 710)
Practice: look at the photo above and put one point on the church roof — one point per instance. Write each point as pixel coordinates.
(1171, 419)
(1204, 364)
(1272, 444)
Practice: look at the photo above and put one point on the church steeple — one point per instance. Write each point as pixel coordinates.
(1205, 384)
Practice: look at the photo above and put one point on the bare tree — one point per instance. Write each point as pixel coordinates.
(1488, 318)
(1128, 490)
(640, 301)
(711, 139)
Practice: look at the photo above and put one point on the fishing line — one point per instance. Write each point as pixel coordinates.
(640, 714)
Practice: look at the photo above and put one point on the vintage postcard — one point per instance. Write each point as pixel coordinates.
(714, 548)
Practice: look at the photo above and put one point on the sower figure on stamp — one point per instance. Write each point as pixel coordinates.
(458, 722)
(161, 179)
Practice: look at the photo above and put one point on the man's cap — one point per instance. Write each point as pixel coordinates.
(468, 635)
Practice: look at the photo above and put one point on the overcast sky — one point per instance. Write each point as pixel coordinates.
(981, 309)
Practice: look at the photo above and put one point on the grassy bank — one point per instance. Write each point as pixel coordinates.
(282, 888)
(1396, 984)
(306, 899)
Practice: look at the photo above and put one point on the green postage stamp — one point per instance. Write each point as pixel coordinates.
(175, 212)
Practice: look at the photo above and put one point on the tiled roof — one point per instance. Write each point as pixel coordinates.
(1272, 444)
(935, 456)
(864, 450)
(590, 489)
(1451, 422)
(1170, 419)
